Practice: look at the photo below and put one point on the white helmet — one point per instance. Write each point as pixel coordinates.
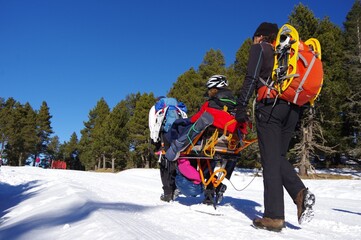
(217, 81)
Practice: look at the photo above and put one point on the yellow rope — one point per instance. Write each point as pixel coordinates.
(209, 147)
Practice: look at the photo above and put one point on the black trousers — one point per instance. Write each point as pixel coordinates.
(275, 127)
(167, 175)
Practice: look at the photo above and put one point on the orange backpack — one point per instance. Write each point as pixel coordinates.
(297, 74)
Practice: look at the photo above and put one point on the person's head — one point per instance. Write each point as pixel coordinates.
(266, 32)
(215, 83)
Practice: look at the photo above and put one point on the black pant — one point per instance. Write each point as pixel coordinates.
(230, 168)
(275, 127)
(167, 175)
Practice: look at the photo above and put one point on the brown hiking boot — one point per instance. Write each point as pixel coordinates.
(304, 201)
(270, 224)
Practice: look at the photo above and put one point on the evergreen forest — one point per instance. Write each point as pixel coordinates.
(118, 138)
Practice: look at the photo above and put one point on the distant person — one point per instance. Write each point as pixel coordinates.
(161, 117)
(276, 120)
(37, 162)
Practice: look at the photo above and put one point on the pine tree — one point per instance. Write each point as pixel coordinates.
(240, 67)
(139, 131)
(312, 142)
(213, 63)
(91, 143)
(3, 126)
(303, 19)
(328, 105)
(352, 108)
(116, 136)
(21, 133)
(54, 149)
(43, 130)
(71, 153)
(307, 26)
(189, 89)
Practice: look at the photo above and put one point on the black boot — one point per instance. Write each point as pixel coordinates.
(170, 196)
(166, 197)
(208, 197)
(219, 192)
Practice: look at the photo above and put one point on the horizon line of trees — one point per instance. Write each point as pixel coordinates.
(118, 138)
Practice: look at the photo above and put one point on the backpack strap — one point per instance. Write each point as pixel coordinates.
(267, 90)
(181, 112)
(305, 76)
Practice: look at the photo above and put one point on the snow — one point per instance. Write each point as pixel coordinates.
(38, 203)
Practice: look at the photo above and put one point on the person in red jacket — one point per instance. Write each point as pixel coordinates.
(221, 105)
(219, 110)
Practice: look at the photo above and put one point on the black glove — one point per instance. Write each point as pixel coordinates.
(242, 115)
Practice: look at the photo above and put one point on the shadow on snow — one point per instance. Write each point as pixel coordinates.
(11, 196)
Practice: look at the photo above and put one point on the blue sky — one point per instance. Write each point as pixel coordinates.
(70, 53)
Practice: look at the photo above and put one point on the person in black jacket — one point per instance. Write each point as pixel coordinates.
(276, 120)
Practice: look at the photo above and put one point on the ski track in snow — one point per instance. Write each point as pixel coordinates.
(44, 204)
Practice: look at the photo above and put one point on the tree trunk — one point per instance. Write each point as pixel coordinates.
(304, 153)
(104, 162)
(99, 162)
(113, 164)
(144, 161)
(302, 170)
(20, 159)
(358, 39)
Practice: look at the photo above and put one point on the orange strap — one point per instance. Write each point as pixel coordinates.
(214, 179)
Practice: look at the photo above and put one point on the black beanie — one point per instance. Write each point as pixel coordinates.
(266, 29)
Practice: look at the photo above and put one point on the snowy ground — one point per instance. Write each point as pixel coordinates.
(38, 203)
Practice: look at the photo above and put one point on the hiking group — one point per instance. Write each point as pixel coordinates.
(282, 85)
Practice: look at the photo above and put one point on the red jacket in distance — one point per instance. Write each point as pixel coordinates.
(221, 118)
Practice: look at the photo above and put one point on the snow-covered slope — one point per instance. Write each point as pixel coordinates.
(38, 203)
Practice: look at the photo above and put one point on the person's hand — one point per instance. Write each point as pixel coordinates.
(242, 115)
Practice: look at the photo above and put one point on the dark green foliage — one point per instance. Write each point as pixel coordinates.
(240, 67)
(21, 132)
(55, 148)
(303, 19)
(116, 136)
(352, 107)
(309, 137)
(70, 153)
(91, 150)
(189, 89)
(139, 131)
(213, 63)
(43, 130)
(335, 84)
